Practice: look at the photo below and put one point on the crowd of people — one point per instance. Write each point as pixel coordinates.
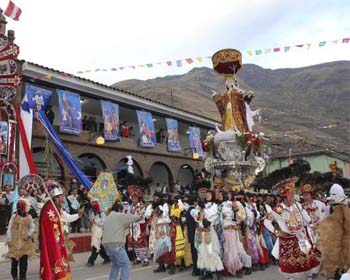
(213, 232)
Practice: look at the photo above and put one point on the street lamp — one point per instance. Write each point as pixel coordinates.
(100, 140)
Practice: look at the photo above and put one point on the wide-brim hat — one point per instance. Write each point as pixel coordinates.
(227, 61)
(285, 186)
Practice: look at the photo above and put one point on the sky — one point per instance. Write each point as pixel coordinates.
(77, 35)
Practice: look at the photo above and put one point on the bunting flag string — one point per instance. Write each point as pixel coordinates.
(204, 59)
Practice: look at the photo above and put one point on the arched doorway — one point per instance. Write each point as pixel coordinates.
(48, 168)
(91, 165)
(160, 173)
(185, 175)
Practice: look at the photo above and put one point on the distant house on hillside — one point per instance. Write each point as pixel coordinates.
(318, 157)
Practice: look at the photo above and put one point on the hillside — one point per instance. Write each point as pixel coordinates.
(291, 99)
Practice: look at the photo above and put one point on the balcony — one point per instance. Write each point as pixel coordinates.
(125, 144)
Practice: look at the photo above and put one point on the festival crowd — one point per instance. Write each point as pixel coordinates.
(216, 233)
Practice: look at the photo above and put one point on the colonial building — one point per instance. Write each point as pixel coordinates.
(163, 166)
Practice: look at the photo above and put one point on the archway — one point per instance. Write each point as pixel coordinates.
(52, 169)
(161, 173)
(185, 175)
(122, 163)
(91, 164)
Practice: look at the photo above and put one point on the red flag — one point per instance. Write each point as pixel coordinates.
(189, 60)
(276, 49)
(13, 11)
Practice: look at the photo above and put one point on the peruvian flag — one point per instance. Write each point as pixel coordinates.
(290, 159)
(13, 11)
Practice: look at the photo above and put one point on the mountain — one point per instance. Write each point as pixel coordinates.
(304, 99)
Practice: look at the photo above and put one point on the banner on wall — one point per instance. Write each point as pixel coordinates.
(110, 113)
(70, 112)
(195, 140)
(4, 130)
(146, 128)
(173, 136)
(37, 98)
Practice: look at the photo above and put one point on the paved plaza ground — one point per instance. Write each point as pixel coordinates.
(101, 271)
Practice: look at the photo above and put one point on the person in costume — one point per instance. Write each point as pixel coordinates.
(294, 251)
(175, 214)
(334, 235)
(191, 223)
(54, 258)
(97, 221)
(19, 240)
(138, 237)
(232, 214)
(207, 242)
(165, 234)
(250, 239)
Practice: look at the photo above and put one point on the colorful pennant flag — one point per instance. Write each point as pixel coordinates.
(179, 63)
(169, 63)
(13, 11)
(322, 44)
(286, 49)
(266, 51)
(257, 52)
(189, 60)
(300, 46)
(276, 49)
(346, 40)
(200, 59)
(250, 53)
(149, 65)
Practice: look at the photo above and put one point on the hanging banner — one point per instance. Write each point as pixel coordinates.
(195, 141)
(146, 126)
(110, 112)
(4, 131)
(37, 98)
(70, 112)
(173, 136)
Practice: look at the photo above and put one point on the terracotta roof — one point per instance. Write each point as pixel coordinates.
(115, 88)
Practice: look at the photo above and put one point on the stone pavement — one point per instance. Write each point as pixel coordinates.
(101, 271)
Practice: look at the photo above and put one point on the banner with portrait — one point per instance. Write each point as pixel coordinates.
(110, 113)
(4, 132)
(37, 98)
(173, 136)
(70, 112)
(195, 141)
(146, 128)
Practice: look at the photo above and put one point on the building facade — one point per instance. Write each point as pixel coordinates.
(158, 163)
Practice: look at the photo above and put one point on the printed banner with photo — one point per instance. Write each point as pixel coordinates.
(195, 140)
(173, 136)
(110, 112)
(146, 126)
(70, 112)
(4, 132)
(38, 98)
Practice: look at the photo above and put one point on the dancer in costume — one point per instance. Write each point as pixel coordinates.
(334, 235)
(54, 263)
(19, 240)
(208, 246)
(165, 234)
(231, 215)
(97, 220)
(295, 253)
(138, 237)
